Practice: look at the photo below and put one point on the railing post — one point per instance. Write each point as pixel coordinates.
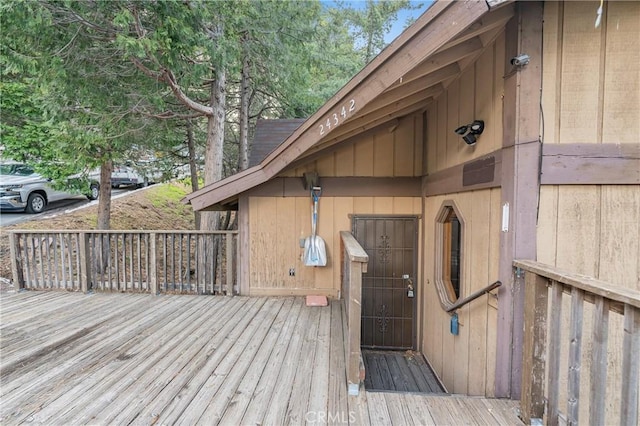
(16, 260)
(535, 346)
(85, 261)
(630, 366)
(355, 264)
(355, 312)
(153, 264)
(230, 257)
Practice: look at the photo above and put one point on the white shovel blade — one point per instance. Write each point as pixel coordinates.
(315, 253)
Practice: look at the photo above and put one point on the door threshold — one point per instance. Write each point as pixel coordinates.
(399, 371)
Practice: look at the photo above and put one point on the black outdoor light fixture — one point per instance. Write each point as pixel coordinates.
(469, 132)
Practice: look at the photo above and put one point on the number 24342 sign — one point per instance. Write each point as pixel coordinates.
(337, 117)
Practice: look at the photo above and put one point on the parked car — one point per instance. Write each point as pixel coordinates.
(22, 189)
(128, 176)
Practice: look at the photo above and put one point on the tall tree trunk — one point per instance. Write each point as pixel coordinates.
(104, 202)
(243, 150)
(193, 167)
(215, 143)
(104, 218)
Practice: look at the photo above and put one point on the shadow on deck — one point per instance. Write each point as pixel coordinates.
(70, 358)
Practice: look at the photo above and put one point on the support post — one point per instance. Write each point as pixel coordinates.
(535, 347)
(16, 262)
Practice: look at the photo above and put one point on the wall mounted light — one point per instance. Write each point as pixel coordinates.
(470, 132)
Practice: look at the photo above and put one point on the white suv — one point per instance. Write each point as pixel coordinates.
(21, 189)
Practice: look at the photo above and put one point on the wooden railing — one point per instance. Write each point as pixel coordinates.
(193, 262)
(355, 261)
(545, 345)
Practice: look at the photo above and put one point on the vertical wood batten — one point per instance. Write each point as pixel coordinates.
(553, 383)
(598, 382)
(575, 355)
(630, 366)
(534, 352)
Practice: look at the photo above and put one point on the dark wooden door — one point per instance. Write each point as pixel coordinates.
(388, 311)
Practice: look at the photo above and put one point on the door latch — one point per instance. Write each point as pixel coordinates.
(410, 291)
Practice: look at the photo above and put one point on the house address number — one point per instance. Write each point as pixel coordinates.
(337, 117)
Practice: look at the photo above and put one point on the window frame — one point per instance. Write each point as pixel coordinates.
(442, 250)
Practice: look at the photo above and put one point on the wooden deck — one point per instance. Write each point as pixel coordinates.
(70, 358)
(403, 371)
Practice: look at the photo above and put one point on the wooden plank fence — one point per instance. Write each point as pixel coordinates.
(190, 262)
(547, 338)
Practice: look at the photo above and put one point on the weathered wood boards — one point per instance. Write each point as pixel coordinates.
(193, 359)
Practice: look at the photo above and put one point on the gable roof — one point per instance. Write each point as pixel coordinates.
(269, 134)
(404, 78)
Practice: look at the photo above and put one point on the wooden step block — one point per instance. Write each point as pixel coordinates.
(317, 300)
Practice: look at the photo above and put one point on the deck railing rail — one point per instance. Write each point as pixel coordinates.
(544, 342)
(355, 261)
(192, 262)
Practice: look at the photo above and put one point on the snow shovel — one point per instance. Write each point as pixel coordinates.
(315, 253)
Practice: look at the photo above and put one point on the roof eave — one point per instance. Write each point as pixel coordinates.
(440, 24)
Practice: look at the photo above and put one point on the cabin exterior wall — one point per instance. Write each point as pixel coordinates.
(465, 362)
(278, 224)
(591, 96)
(395, 151)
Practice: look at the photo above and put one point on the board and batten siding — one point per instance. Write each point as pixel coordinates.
(393, 151)
(466, 362)
(591, 76)
(475, 95)
(591, 95)
(278, 224)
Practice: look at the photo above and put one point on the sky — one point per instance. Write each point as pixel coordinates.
(399, 25)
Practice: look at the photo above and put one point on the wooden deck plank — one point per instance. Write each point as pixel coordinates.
(301, 388)
(46, 374)
(243, 394)
(359, 409)
(399, 413)
(169, 405)
(439, 409)
(423, 373)
(116, 369)
(263, 337)
(278, 403)
(338, 405)
(397, 379)
(197, 407)
(399, 371)
(58, 326)
(180, 362)
(265, 387)
(319, 397)
(378, 412)
(207, 359)
(503, 410)
(419, 410)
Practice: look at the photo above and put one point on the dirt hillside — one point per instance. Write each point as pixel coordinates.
(156, 207)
